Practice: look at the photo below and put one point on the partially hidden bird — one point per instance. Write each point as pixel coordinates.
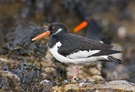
(76, 50)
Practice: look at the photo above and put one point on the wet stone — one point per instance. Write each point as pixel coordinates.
(9, 82)
(111, 86)
(32, 74)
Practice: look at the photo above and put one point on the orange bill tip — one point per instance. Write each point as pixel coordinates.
(81, 26)
(47, 33)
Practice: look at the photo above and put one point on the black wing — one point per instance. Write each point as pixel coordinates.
(73, 43)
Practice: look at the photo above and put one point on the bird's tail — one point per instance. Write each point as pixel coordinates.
(112, 59)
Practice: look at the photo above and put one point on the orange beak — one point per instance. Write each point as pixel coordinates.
(81, 26)
(47, 33)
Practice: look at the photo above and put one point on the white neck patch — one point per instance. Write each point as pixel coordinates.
(59, 30)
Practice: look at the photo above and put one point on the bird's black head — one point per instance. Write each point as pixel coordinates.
(57, 28)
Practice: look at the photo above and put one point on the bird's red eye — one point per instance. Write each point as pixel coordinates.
(53, 27)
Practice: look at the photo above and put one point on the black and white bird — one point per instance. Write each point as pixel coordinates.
(73, 49)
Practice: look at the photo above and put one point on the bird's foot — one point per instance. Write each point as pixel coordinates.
(74, 79)
(75, 74)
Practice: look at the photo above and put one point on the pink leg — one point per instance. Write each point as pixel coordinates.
(76, 72)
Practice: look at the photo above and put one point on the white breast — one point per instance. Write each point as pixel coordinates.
(80, 57)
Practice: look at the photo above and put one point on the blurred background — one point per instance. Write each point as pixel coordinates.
(112, 21)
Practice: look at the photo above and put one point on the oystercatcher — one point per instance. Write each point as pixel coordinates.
(73, 49)
(93, 30)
